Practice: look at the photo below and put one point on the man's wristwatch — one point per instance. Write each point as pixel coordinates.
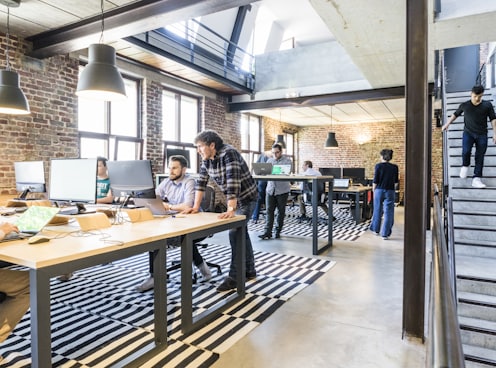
(231, 209)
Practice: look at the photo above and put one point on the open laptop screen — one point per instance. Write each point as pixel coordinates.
(281, 169)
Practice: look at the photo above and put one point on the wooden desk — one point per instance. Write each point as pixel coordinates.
(64, 255)
(358, 192)
(315, 206)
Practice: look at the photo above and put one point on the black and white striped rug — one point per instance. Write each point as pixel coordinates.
(97, 317)
(344, 227)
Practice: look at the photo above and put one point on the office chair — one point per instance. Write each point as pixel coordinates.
(307, 199)
(207, 205)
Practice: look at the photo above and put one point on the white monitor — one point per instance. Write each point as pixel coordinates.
(73, 180)
(29, 177)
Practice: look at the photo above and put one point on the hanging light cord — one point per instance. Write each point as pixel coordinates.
(103, 21)
(8, 37)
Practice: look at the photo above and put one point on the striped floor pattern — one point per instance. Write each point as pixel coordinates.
(98, 318)
(344, 227)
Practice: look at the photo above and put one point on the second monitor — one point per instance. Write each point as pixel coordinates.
(132, 178)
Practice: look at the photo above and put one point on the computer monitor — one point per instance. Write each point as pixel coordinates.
(354, 173)
(177, 151)
(73, 180)
(29, 177)
(334, 171)
(131, 178)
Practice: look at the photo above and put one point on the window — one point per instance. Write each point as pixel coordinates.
(101, 124)
(180, 124)
(251, 138)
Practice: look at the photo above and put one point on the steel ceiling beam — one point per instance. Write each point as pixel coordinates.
(120, 22)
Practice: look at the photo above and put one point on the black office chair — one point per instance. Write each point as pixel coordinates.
(207, 205)
(307, 199)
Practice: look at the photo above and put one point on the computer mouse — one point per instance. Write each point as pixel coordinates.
(38, 239)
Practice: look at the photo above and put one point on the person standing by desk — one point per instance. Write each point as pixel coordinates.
(261, 188)
(14, 290)
(225, 165)
(385, 178)
(277, 196)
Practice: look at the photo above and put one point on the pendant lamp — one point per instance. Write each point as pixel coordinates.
(100, 78)
(12, 99)
(331, 142)
(280, 140)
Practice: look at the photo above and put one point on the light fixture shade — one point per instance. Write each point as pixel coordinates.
(331, 142)
(100, 79)
(12, 99)
(280, 140)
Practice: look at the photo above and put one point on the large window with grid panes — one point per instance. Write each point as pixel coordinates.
(111, 129)
(251, 138)
(180, 126)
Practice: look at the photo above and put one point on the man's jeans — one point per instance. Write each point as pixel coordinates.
(246, 210)
(468, 142)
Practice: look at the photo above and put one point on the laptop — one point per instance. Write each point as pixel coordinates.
(262, 168)
(156, 206)
(281, 169)
(32, 221)
(342, 183)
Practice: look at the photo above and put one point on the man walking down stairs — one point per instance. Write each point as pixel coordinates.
(474, 223)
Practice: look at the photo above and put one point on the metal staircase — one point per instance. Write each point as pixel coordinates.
(474, 222)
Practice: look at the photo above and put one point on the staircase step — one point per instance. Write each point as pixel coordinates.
(462, 218)
(477, 332)
(474, 206)
(477, 306)
(477, 357)
(468, 192)
(475, 232)
(480, 268)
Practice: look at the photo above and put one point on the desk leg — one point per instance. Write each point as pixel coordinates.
(186, 283)
(357, 208)
(315, 217)
(160, 296)
(41, 336)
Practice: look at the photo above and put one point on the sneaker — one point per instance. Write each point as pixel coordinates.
(265, 236)
(463, 172)
(385, 237)
(278, 236)
(146, 285)
(65, 277)
(250, 275)
(205, 271)
(228, 284)
(477, 183)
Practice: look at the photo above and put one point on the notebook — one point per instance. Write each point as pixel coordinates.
(342, 183)
(32, 221)
(156, 205)
(281, 169)
(262, 168)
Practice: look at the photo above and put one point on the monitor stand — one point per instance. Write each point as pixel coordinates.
(79, 209)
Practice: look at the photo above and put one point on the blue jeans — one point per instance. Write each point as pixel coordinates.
(261, 186)
(383, 205)
(468, 142)
(250, 259)
(271, 202)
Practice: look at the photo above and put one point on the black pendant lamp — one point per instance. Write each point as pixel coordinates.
(331, 142)
(100, 78)
(12, 99)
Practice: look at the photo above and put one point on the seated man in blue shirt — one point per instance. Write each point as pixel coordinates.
(178, 193)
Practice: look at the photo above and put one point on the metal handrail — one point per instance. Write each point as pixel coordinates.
(445, 347)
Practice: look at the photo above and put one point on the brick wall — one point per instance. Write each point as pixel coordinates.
(51, 129)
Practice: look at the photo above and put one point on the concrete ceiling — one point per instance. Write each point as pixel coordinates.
(371, 32)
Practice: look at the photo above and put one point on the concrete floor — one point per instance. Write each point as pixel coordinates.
(351, 317)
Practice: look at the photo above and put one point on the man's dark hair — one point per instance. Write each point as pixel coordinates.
(278, 146)
(179, 158)
(387, 154)
(102, 159)
(478, 89)
(308, 163)
(210, 136)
